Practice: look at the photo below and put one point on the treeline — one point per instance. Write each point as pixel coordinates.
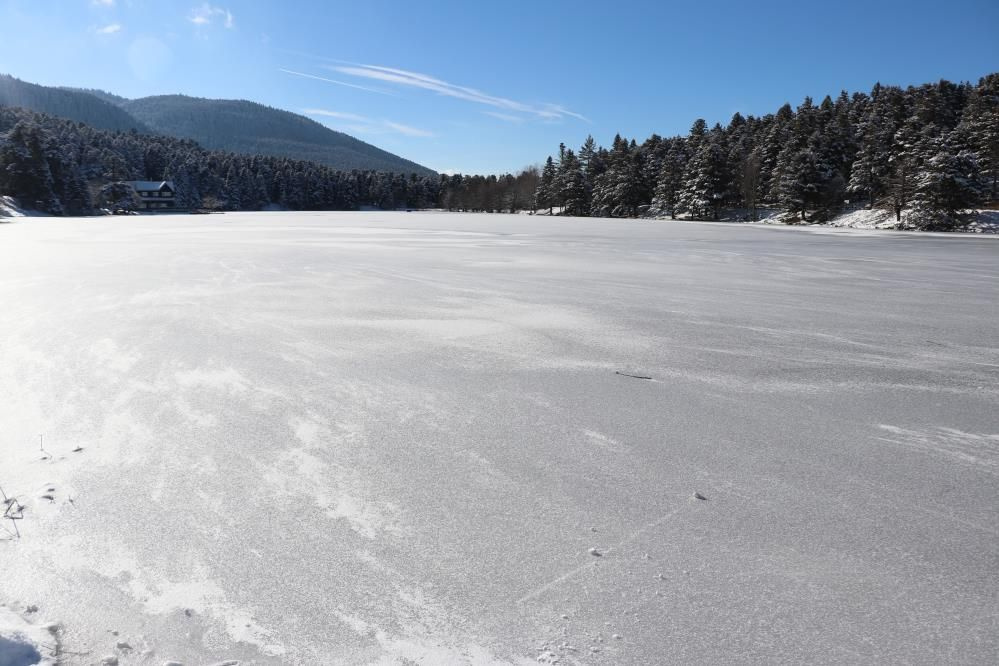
(69, 168)
(930, 152)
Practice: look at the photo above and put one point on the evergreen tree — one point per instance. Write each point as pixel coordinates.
(704, 180)
(587, 153)
(905, 158)
(667, 193)
(946, 184)
(979, 131)
(616, 192)
(544, 195)
(870, 169)
(572, 186)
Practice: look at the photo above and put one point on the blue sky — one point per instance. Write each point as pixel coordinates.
(493, 86)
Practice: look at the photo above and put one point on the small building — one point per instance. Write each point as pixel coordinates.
(154, 195)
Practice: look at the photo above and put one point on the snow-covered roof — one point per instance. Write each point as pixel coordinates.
(150, 185)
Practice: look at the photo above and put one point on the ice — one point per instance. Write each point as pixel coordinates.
(315, 438)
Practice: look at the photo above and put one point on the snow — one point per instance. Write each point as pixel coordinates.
(377, 437)
(9, 208)
(867, 219)
(985, 221)
(980, 220)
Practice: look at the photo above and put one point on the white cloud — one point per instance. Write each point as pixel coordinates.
(406, 129)
(109, 29)
(339, 83)
(504, 116)
(207, 14)
(364, 125)
(416, 80)
(335, 114)
(102, 3)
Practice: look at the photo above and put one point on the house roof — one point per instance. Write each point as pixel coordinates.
(151, 185)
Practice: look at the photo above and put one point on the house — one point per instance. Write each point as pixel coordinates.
(153, 195)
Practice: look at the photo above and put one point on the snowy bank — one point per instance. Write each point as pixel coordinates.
(978, 220)
(23, 643)
(10, 208)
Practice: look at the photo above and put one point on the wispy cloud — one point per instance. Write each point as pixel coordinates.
(207, 14)
(109, 29)
(403, 77)
(406, 129)
(365, 125)
(102, 3)
(339, 115)
(339, 83)
(504, 116)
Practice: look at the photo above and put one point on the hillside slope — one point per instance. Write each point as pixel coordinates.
(78, 105)
(247, 127)
(236, 126)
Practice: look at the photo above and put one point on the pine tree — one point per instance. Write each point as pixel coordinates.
(870, 169)
(667, 193)
(776, 130)
(905, 158)
(704, 182)
(571, 186)
(804, 176)
(979, 131)
(544, 195)
(587, 153)
(946, 184)
(616, 192)
(749, 181)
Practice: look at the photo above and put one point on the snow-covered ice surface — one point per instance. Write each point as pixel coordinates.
(335, 438)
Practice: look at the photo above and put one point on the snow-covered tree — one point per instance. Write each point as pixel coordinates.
(667, 193)
(571, 186)
(945, 185)
(704, 182)
(544, 196)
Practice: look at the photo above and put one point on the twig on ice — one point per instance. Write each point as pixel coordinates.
(625, 374)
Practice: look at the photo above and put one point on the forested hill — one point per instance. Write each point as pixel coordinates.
(64, 167)
(251, 128)
(78, 105)
(217, 124)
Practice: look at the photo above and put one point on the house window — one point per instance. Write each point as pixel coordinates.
(143, 194)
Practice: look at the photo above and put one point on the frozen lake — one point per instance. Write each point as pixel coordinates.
(325, 438)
